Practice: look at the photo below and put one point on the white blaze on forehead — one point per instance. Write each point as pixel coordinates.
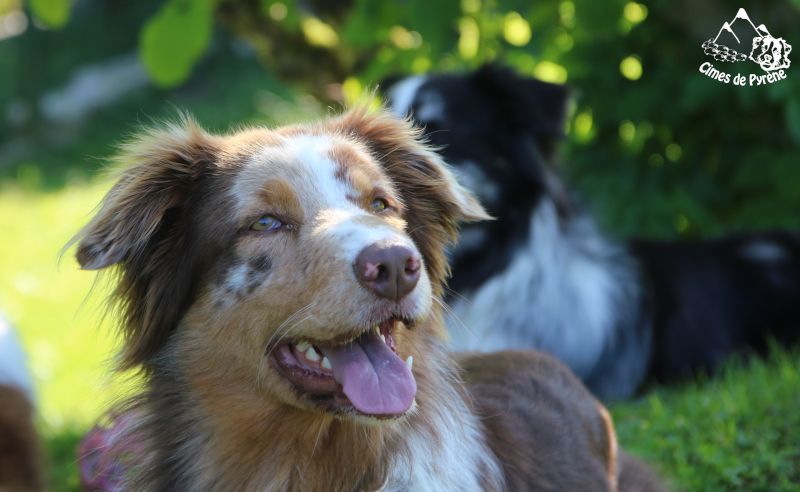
(304, 160)
(352, 235)
(313, 154)
(403, 93)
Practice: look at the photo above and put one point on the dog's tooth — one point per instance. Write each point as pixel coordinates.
(303, 346)
(386, 340)
(312, 355)
(326, 364)
(377, 329)
(410, 362)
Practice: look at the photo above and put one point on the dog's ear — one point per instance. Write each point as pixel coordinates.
(141, 228)
(786, 48)
(526, 104)
(434, 200)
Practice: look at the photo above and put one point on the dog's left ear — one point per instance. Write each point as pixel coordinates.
(434, 200)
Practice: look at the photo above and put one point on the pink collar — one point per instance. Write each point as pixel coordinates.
(110, 454)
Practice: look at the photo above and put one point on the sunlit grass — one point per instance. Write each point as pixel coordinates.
(69, 344)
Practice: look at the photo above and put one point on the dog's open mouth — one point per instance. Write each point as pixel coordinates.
(364, 373)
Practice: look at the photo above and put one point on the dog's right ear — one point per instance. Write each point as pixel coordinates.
(159, 168)
(143, 226)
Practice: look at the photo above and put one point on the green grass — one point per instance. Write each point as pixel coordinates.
(69, 346)
(737, 431)
(740, 431)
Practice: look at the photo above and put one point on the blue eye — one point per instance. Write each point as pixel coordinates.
(266, 223)
(379, 205)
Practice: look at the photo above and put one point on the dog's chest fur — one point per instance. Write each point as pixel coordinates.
(566, 290)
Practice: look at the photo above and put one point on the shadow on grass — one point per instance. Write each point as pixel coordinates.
(62, 467)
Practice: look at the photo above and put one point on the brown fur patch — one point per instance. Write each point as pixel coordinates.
(541, 422)
(280, 195)
(358, 169)
(20, 454)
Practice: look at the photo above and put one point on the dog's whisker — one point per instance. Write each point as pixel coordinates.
(452, 314)
(288, 331)
(316, 442)
(457, 294)
(416, 229)
(278, 335)
(288, 320)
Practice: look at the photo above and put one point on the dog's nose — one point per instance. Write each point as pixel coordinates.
(388, 270)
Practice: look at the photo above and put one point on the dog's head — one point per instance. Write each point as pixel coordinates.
(499, 131)
(295, 261)
(771, 53)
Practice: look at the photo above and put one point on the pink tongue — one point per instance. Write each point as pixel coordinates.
(374, 378)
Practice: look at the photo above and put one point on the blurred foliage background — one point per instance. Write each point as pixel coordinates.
(655, 148)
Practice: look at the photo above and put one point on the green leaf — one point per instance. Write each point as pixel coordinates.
(793, 119)
(53, 13)
(175, 38)
(436, 22)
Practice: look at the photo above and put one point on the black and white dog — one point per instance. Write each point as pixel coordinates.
(543, 276)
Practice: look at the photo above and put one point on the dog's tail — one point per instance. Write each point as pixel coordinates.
(20, 456)
(625, 473)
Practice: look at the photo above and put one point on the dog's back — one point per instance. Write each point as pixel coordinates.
(19, 450)
(529, 397)
(716, 297)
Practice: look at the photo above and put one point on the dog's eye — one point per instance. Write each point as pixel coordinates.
(266, 223)
(379, 205)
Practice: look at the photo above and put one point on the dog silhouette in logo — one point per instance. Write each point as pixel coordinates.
(771, 53)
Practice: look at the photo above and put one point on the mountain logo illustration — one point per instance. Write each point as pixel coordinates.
(741, 40)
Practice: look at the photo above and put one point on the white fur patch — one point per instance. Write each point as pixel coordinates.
(403, 93)
(237, 277)
(764, 251)
(430, 108)
(343, 227)
(452, 462)
(472, 177)
(13, 362)
(559, 294)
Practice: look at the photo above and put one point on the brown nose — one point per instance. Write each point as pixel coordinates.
(388, 270)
